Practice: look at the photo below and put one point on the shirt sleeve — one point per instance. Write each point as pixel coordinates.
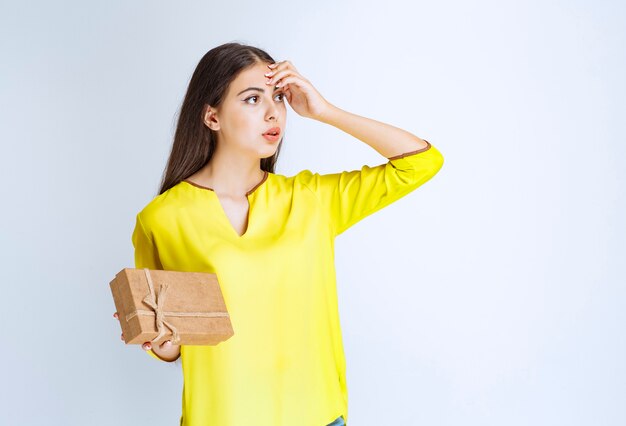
(146, 256)
(350, 196)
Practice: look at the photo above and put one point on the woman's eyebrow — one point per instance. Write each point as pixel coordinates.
(256, 88)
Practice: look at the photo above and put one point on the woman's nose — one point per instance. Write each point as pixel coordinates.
(272, 113)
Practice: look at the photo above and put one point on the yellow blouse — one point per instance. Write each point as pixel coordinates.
(285, 364)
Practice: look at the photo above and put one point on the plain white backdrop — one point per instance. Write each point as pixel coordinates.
(492, 295)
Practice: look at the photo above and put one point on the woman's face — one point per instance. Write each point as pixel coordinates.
(249, 109)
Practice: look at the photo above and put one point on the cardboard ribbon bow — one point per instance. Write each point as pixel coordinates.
(157, 305)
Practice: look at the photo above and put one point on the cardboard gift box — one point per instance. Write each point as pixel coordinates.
(184, 307)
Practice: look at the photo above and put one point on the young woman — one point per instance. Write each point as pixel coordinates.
(268, 237)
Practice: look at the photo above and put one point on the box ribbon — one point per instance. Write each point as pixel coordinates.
(157, 303)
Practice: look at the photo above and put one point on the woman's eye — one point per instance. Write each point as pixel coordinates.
(246, 100)
(282, 97)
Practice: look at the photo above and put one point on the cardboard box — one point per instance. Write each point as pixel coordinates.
(185, 307)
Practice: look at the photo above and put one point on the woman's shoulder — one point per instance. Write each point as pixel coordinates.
(165, 205)
(299, 182)
(297, 178)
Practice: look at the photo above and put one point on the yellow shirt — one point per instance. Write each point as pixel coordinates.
(285, 364)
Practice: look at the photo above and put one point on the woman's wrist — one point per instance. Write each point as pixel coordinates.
(326, 115)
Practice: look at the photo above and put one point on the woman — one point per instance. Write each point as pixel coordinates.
(268, 237)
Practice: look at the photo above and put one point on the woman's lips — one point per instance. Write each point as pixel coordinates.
(273, 130)
(272, 138)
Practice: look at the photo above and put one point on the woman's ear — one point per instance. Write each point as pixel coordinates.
(210, 118)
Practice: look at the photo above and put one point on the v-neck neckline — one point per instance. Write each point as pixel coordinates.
(223, 212)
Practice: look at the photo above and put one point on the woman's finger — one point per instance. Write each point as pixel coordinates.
(277, 65)
(146, 346)
(276, 76)
(290, 65)
(284, 65)
(281, 76)
(296, 81)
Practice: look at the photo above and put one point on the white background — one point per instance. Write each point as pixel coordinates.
(493, 295)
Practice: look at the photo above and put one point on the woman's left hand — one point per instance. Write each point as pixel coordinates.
(300, 93)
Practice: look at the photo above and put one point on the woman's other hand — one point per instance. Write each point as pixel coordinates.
(300, 93)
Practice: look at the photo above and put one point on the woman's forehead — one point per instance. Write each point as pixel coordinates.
(250, 78)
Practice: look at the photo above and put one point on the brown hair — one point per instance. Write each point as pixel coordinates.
(194, 143)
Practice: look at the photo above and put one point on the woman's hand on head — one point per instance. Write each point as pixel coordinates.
(165, 349)
(300, 93)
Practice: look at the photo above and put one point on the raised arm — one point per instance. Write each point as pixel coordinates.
(388, 140)
(349, 196)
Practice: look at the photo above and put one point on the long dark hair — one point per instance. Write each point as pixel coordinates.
(194, 143)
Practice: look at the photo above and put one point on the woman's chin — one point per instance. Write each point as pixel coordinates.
(270, 148)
